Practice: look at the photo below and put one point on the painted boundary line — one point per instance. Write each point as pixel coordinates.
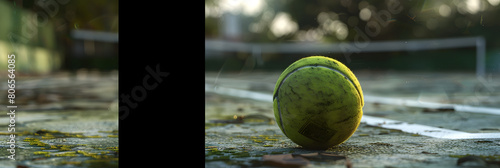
(383, 122)
(421, 104)
(424, 129)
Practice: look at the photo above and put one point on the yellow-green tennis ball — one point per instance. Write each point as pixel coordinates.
(318, 102)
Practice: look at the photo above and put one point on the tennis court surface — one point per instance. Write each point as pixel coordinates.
(411, 119)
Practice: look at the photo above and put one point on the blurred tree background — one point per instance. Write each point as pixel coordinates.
(324, 21)
(54, 25)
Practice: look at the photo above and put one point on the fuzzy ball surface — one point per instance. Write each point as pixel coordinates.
(318, 102)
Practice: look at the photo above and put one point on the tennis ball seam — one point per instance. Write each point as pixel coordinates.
(302, 67)
(281, 117)
(309, 66)
(336, 64)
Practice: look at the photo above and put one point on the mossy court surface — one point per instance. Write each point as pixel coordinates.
(63, 120)
(240, 129)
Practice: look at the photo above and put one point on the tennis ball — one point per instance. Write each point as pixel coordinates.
(318, 102)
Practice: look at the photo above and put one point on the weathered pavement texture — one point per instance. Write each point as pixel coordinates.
(241, 132)
(63, 120)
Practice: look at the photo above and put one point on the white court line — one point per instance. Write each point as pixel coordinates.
(239, 93)
(421, 104)
(424, 129)
(383, 122)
